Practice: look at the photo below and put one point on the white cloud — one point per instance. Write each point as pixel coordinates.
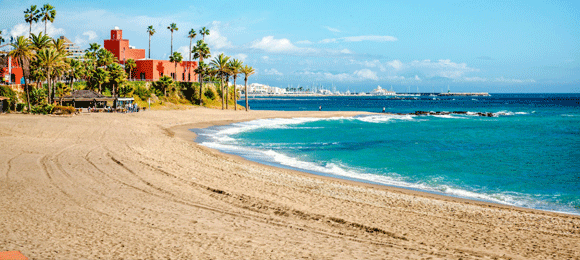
(417, 78)
(184, 50)
(396, 64)
(474, 79)
(366, 74)
(269, 44)
(441, 68)
(265, 58)
(91, 34)
(332, 29)
(240, 56)
(304, 42)
(372, 38)
(504, 80)
(272, 71)
(22, 29)
(346, 51)
(215, 39)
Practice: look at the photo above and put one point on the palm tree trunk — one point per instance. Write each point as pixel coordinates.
(227, 86)
(30, 31)
(235, 98)
(246, 92)
(189, 65)
(171, 53)
(49, 88)
(175, 74)
(222, 86)
(45, 22)
(100, 88)
(200, 87)
(149, 46)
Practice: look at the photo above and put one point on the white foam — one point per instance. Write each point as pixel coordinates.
(384, 118)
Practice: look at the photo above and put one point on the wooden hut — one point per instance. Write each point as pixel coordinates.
(88, 99)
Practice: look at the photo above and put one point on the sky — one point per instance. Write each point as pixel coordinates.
(477, 46)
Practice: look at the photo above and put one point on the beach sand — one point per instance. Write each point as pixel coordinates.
(135, 186)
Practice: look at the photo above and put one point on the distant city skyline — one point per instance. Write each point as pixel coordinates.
(516, 46)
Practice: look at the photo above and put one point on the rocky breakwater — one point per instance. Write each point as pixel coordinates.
(443, 113)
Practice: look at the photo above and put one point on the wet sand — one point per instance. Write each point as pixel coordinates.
(135, 186)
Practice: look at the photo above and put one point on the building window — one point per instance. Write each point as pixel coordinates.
(189, 77)
(142, 75)
(183, 76)
(172, 75)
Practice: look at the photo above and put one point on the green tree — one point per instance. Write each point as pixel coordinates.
(164, 83)
(235, 69)
(150, 31)
(117, 76)
(1, 38)
(23, 52)
(172, 27)
(40, 41)
(201, 51)
(220, 63)
(105, 58)
(31, 15)
(204, 31)
(49, 59)
(75, 71)
(175, 58)
(247, 71)
(101, 76)
(47, 15)
(130, 65)
(192, 34)
(62, 90)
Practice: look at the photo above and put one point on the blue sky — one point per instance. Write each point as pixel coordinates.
(491, 46)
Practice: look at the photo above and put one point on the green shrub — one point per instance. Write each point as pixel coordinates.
(209, 94)
(37, 96)
(142, 92)
(20, 107)
(42, 109)
(6, 91)
(63, 110)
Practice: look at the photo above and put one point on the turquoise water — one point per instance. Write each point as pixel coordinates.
(527, 155)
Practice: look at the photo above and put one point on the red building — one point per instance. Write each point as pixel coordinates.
(148, 69)
(15, 77)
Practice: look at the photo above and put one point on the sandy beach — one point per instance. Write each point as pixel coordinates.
(136, 186)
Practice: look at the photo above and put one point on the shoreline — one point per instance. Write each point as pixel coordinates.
(137, 186)
(184, 132)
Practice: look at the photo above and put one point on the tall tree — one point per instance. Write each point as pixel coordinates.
(204, 31)
(48, 59)
(165, 82)
(130, 65)
(31, 15)
(47, 15)
(40, 41)
(23, 52)
(150, 31)
(172, 27)
(175, 58)
(247, 71)
(220, 63)
(75, 70)
(201, 51)
(105, 58)
(117, 76)
(191, 36)
(101, 76)
(1, 38)
(235, 69)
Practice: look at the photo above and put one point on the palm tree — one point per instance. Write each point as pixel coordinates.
(201, 51)
(40, 41)
(31, 15)
(23, 52)
(150, 31)
(117, 75)
(101, 76)
(75, 71)
(247, 71)
(172, 27)
(1, 38)
(220, 63)
(235, 69)
(165, 82)
(105, 58)
(47, 14)
(201, 70)
(48, 59)
(175, 58)
(191, 35)
(204, 31)
(130, 65)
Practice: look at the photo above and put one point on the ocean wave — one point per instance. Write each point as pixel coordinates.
(390, 179)
(384, 118)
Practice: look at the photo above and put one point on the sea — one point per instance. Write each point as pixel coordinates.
(526, 153)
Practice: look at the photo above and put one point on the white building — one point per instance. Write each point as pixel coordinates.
(382, 92)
